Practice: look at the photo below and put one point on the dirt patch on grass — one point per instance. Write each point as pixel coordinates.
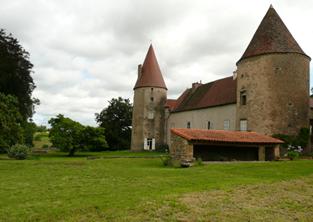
(282, 201)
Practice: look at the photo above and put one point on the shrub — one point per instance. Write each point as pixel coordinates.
(199, 161)
(169, 161)
(37, 137)
(18, 151)
(163, 148)
(45, 146)
(294, 143)
(292, 155)
(294, 152)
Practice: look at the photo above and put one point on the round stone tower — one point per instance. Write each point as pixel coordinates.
(273, 81)
(150, 95)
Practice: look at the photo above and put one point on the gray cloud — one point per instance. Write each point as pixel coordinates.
(86, 52)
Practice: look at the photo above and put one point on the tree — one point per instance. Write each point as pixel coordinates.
(11, 131)
(66, 134)
(93, 139)
(29, 129)
(15, 74)
(116, 119)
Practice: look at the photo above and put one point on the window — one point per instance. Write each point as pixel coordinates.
(188, 125)
(243, 125)
(243, 97)
(209, 125)
(149, 144)
(151, 99)
(226, 124)
(150, 115)
(151, 89)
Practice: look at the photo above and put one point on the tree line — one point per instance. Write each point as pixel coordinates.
(113, 133)
(16, 87)
(17, 106)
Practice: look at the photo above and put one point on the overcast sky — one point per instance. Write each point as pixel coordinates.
(86, 52)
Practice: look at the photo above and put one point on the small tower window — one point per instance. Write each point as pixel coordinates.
(188, 125)
(209, 125)
(150, 115)
(151, 99)
(151, 89)
(243, 97)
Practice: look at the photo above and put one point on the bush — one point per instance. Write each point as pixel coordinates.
(199, 161)
(293, 155)
(299, 140)
(45, 146)
(294, 152)
(37, 137)
(18, 151)
(294, 143)
(169, 161)
(163, 148)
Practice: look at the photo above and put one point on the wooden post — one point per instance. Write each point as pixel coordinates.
(276, 151)
(261, 153)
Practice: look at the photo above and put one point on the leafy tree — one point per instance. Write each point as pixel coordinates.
(41, 128)
(66, 134)
(15, 74)
(29, 129)
(93, 139)
(116, 119)
(11, 131)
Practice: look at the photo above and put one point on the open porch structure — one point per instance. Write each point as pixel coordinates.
(221, 145)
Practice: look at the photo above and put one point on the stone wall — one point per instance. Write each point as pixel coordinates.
(148, 116)
(277, 89)
(181, 149)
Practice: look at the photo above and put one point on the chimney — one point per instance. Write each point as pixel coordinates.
(195, 85)
(139, 70)
(234, 74)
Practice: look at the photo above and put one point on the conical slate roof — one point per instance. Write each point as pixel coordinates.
(151, 75)
(272, 36)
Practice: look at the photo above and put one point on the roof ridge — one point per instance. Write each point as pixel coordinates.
(215, 93)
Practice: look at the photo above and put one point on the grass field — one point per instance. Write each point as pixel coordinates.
(58, 188)
(41, 139)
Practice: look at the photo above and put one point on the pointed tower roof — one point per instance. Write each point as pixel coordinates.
(272, 36)
(151, 75)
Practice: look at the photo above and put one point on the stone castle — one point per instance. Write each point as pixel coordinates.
(267, 94)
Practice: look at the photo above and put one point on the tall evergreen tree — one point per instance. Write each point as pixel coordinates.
(15, 74)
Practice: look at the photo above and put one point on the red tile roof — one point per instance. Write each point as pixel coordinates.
(151, 75)
(272, 36)
(224, 136)
(171, 104)
(219, 92)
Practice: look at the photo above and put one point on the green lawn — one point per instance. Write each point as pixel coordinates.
(58, 188)
(41, 139)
